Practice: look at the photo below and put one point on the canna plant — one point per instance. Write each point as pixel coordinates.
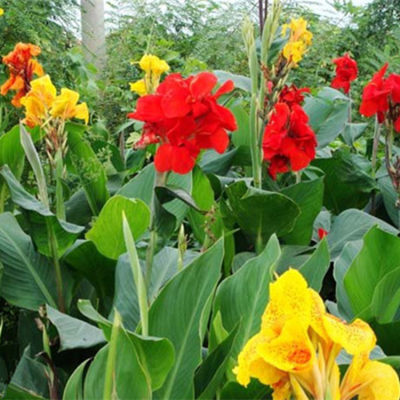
(190, 265)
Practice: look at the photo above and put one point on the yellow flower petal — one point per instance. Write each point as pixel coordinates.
(152, 64)
(282, 390)
(291, 351)
(1, 12)
(289, 298)
(139, 87)
(65, 106)
(355, 338)
(384, 382)
(251, 365)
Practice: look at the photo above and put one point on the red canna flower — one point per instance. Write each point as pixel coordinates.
(289, 142)
(22, 67)
(346, 72)
(185, 118)
(322, 233)
(375, 97)
(292, 95)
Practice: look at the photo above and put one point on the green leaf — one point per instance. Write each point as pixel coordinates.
(241, 137)
(260, 213)
(379, 256)
(352, 132)
(156, 354)
(254, 391)
(106, 232)
(328, 113)
(73, 332)
(28, 381)
(347, 183)
(28, 278)
(389, 198)
(84, 257)
(209, 376)
(168, 193)
(240, 81)
(37, 214)
(316, 267)
(129, 378)
(308, 196)
(11, 151)
(386, 298)
(87, 167)
(178, 313)
(165, 266)
(244, 295)
(74, 387)
(352, 225)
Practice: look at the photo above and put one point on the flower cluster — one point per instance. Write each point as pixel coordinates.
(296, 348)
(346, 72)
(153, 67)
(299, 39)
(381, 96)
(289, 142)
(184, 117)
(22, 66)
(42, 103)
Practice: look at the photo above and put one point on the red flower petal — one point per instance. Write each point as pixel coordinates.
(202, 84)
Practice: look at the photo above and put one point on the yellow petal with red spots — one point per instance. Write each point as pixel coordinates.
(355, 338)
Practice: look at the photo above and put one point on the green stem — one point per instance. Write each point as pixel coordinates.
(150, 256)
(3, 197)
(60, 207)
(375, 146)
(350, 103)
(111, 359)
(57, 267)
(137, 276)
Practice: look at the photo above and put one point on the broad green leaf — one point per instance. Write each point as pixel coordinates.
(353, 131)
(341, 265)
(308, 196)
(74, 387)
(244, 295)
(260, 213)
(328, 113)
(379, 256)
(106, 232)
(211, 373)
(87, 167)
(156, 354)
(178, 314)
(240, 81)
(390, 197)
(28, 278)
(386, 298)
(316, 267)
(388, 335)
(254, 391)
(351, 225)
(129, 378)
(38, 214)
(212, 162)
(11, 151)
(241, 137)
(99, 270)
(347, 183)
(73, 332)
(28, 381)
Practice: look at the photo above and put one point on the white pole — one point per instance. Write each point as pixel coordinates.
(93, 32)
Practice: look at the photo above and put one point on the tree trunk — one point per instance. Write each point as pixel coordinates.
(93, 32)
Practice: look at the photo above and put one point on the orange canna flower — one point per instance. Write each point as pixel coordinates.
(22, 67)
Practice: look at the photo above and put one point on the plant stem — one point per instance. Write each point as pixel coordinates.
(150, 256)
(3, 197)
(57, 267)
(137, 275)
(350, 102)
(111, 359)
(375, 146)
(60, 207)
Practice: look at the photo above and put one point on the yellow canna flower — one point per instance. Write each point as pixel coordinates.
(139, 87)
(38, 101)
(296, 348)
(299, 39)
(66, 106)
(1, 12)
(153, 65)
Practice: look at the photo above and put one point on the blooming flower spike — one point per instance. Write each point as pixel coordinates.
(346, 72)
